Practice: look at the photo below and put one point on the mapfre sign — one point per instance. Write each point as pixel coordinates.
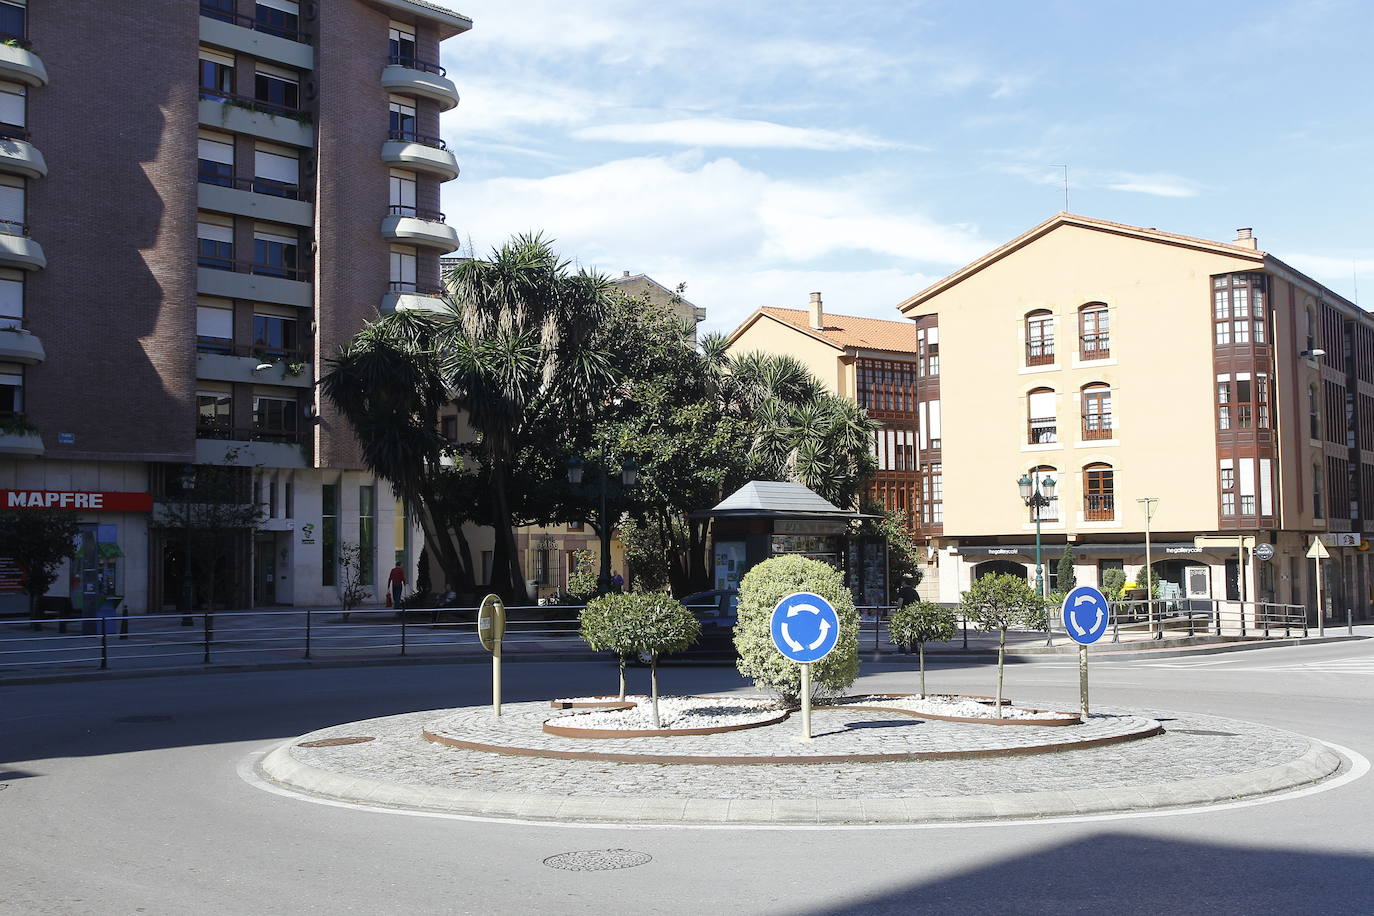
(76, 500)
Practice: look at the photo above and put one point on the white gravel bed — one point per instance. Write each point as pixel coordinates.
(951, 706)
(601, 699)
(675, 712)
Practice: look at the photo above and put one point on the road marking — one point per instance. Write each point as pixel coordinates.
(1352, 665)
(1359, 767)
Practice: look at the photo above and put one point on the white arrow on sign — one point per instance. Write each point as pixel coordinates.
(793, 611)
(825, 631)
(1073, 614)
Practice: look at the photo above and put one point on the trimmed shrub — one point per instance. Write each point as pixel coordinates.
(918, 623)
(629, 624)
(1112, 582)
(759, 593)
(997, 602)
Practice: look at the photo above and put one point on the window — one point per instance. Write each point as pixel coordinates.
(329, 534)
(214, 325)
(11, 389)
(12, 194)
(1314, 413)
(1050, 511)
(402, 192)
(274, 251)
(276, 171)
(1097, 411)
(932, 495)
(886, 386)
(12, 19)
(402, 44)
(1244, 406)
(275, 334)
(216, 162)
(274, 416)
(278, 17)
(11, 298)
(367, 534)
(13, 107)
(1099, 493)
(1223, 402)
(928, 351)
(1318, 508)
(278, 88)
(402, 268)
(220, 10)
(895, 448)
(1040, 417)
(448, 428)
(216, 75)
(1262, 400)
(928, 425)
(402, 124)
(1238, 309)
(541, 566)
(576, 526)
(1311, 332)
(214, 411)
(1039, 338)
(1228, 488)
(1094, 336)
(215, 236)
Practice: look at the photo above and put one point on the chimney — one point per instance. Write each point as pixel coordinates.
(817, 315)
(624, 274)
(1245, 238)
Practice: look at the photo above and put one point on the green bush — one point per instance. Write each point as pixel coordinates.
(918, 623)
(582, 580)
(633, 623)
(1112, 581)
(1064, 571)
(759, 593)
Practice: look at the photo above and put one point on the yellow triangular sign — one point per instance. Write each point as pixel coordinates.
(1317, 551)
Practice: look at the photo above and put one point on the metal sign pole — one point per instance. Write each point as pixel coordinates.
(1321, 605)
(1083, 679)
(806, 701)
(496, 680)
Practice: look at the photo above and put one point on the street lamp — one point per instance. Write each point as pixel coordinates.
(1148, 504)
(629, 476)
(1037, 494)
(186, 476)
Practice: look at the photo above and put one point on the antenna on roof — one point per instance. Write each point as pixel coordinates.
(1066, 185)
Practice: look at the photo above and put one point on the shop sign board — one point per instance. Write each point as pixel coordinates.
(77, 500)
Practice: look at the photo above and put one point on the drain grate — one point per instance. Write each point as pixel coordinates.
(1203, 731)
(144, 718)
(598, 860)
(336, 742)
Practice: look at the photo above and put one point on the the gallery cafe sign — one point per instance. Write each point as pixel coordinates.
(77, 500)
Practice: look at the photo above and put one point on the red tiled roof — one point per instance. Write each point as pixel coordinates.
(851, 330)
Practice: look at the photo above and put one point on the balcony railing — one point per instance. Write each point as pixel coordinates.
(13, 132)
(13, 227)
(1094, 346)
(253, 104)
(410, 136)
(1099, 508)
(415, 63)
(429, 216)
(407, 286)
(300, 274)
(212, 10)
(248, 433)
(222, 347)
(1042, 431)
(1097, 426)
(256, 185)
(1039, 352)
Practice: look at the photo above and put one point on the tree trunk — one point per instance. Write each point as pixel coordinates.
(653, 679)
(622, 679)
(505, 536)
(1001, 659)
(921, 659)
(441, 546)
(33, 613)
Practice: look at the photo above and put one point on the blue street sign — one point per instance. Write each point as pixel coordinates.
(805, 627)
(1085, 614)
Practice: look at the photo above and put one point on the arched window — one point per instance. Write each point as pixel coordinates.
(1049, 510)
(1097, 411)
(1311, 330)
(1099, 493)
(1039, 338)
(1094, 334)
(1318, 507)
(1314, 413)
(1041, 426)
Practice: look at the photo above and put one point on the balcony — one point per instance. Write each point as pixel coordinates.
(429, 155)
(1094, 346)
(18, 156)
(19, 64)
(425, 228)
(253, 447)
(19, 437)
(1097, 426)
(242, 364)
(411, 76)
(250, 280)
(19, 346)
(17, 249)
(1042, 431)
(244, 33)
(1099, 508)
(404, 297)
(246, 115)
(260, 198)
(1040, 353)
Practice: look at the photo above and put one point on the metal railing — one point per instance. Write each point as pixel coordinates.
(211, 10)
(415, 63)
(262, 106)
(429, 216)
(222, 347)
(267, 186)
(1040, 352)
(411, 136)
(248, 433)
(256, 268)
(1094, 346)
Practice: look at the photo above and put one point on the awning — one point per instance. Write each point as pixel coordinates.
(1161, 550)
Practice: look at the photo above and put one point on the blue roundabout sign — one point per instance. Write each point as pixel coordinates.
(1085, 614)
(805, 627)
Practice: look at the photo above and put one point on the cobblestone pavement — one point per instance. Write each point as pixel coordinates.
(836, 732)
(1193, 748)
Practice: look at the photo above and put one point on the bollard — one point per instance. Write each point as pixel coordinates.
(205, 660)
(1349, 623)
(307, 632)
(104, 647)
(964, 620)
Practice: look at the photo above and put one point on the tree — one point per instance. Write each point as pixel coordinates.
(759, 593)
(917, 623)
(37, 540)
(999, 601)
(352, 590)
(1064, 571)
(1113, 580)
(1154, 581)
(582, 577)
(639, 623)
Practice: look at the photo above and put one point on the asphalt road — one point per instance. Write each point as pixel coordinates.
(125, 796)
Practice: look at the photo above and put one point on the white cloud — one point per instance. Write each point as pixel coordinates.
(1158, 184)
(733, 132)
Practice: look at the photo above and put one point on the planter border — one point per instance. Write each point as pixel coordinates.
(1068, 717)
(598, 703)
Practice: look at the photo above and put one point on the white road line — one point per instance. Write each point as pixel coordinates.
(1359, 767)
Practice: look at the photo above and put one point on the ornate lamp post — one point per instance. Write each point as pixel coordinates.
(629, 476)
(1037, 494)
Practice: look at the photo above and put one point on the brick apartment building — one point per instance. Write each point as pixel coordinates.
(178, 260)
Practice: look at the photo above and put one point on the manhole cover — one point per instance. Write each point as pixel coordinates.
(598, 860)
(144, 719)
(336, 742)
(1203, 731)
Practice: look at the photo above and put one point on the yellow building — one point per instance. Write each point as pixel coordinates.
(1129, 364)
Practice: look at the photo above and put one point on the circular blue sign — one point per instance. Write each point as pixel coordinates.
(1085, 614)
(805, 627)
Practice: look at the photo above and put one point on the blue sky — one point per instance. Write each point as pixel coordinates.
(758, 151)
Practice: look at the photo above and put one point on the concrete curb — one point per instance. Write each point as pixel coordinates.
(282, 769)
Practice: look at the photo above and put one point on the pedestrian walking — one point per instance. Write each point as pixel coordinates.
(906, 594)
(397, 581)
